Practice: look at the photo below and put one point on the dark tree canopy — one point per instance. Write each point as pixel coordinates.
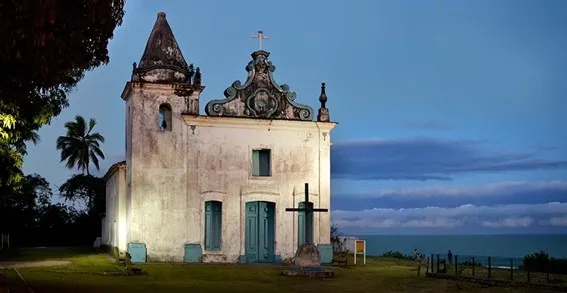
(46, 46)
(89, 189)
(18, 210)
(32, 219)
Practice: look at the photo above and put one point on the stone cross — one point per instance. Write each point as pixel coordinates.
(260, 36)
(308, 212)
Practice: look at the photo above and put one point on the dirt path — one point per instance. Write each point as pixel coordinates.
(32, 264)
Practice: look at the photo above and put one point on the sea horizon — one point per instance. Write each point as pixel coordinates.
(495, 245)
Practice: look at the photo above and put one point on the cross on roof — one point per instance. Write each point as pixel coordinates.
(260, 36)
(308, 211)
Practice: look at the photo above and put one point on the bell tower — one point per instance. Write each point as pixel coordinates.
(162, 88)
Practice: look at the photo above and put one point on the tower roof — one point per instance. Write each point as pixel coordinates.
(162, 50)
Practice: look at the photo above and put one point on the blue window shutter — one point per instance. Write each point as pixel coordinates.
(256, 163)
(265, 163)
(213, 225)
(208, 225)
(217, 220)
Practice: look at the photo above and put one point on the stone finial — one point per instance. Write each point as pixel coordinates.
(323, 96)
(323, 115)
(197, 78)
(161, 14)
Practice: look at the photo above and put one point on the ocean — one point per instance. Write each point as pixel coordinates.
(512, 246)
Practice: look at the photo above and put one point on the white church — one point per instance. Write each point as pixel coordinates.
(214, 187)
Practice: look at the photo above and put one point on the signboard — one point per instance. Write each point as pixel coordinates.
(360, 248)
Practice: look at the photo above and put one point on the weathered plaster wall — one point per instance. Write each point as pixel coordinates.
(161, 214)
(122, 208)
(110, 236)
(172, 173)
(115, 226)
(221, 152)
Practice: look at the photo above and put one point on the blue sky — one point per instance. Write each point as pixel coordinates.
(451, 112)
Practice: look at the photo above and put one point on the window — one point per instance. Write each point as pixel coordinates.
(261, 164)
(164, 118)
(213, 225)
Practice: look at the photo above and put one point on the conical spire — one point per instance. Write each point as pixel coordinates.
(162, 50)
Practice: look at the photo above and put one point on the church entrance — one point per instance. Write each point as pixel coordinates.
(260, 232)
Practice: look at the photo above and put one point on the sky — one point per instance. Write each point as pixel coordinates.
(451, 113)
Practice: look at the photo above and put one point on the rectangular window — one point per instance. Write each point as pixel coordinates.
(261, 162)
(213, 225)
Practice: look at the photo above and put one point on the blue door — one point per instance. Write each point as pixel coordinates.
(301, 218)
(260, 232)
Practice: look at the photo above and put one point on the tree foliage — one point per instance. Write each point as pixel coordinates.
(87, 189)
(32, 218)
(80, 146)
(337, 241)
(19, 209)
(46, 46)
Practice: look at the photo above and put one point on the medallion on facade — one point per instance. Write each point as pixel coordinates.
(260, 96)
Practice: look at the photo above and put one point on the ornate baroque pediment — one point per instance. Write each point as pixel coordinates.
(260, 96)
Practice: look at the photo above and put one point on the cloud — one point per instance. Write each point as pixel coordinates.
(428, 125)
(391, 223)
(558, 221)
(545, 147)
(500, 193)
(488, 190)
(427, 159)
(508, 216)
(509, 223)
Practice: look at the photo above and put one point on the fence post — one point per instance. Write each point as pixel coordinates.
(427, 266)
(437, 263)
(489, 267)
(512, 269)
(529, 275)
(432, 262)
(473, 265)
(456, 265)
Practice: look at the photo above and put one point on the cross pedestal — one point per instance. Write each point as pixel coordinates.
(307, 261)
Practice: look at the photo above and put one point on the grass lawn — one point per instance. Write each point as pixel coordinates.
(86, 274)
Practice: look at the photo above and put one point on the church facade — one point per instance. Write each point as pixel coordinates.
(214, 187)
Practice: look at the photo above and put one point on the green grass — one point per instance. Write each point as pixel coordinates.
(85, 275)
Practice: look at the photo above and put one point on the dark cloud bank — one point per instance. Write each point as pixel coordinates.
(428, 159)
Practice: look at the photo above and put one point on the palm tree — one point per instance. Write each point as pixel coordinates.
(79, 147)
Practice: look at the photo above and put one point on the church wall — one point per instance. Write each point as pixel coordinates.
(128, 172)
(160, 214)
(222, 149)
(110, 236)
(122, 227)
(173, 173)
(114, 224)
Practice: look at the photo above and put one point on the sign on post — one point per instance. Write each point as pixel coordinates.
(360, 248)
